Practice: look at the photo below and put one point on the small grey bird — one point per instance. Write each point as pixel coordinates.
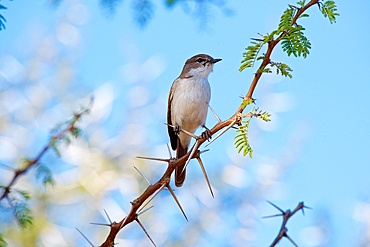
(188, 105)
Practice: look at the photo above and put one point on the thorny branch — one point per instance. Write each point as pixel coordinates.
(70, 128)
(283, 232)
(236, 118)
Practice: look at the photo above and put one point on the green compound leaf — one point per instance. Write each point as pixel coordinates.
(295, 42)
(23, 214)
(76, 132)
(282, 68)
(286, 19)
(44, 174)
(264, 115)
(53, 145)
(251, 54)
(24, 194)
(241, 139)
(329, 10)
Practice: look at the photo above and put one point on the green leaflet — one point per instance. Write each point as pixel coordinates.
(44, 174)
(241, 139)
(23, 214)
(294, 42)
(329, 10)
(291, 35)
(286, 19)
(251, 54)
(282, 68)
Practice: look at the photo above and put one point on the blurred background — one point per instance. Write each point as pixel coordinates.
(55, 55)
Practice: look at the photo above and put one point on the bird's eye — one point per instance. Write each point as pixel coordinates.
(199, 60)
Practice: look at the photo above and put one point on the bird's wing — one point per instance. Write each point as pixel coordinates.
(171, 132)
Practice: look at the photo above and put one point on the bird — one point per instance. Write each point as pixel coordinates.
(187, 107)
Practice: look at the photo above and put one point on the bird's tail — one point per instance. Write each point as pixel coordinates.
(180, 172)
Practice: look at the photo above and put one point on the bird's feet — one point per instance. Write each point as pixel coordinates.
(207, 133)
(177, 129)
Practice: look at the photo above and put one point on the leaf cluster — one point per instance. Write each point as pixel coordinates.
(44, 174)
(282, 68)
(292, 37)
(251, 54)
(17, 202)
(18, 199)
(329, 10)
(241, 139)
(295, 42)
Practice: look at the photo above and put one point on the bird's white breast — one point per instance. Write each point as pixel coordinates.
(190, 103)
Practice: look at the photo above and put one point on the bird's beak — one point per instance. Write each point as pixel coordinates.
(213, 61)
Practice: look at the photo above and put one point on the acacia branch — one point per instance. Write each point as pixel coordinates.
(267, 57)
(70, 128)
(236, 118)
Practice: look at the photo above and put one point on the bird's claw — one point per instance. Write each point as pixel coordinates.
(206, 134)
(177, 129)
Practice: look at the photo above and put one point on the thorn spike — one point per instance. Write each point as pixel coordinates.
(215, 114)
(291, 240)
(91, 244)
(276, 207)
(108, 216)
(146, 233)
(272, 216)
(155, 159)
(142, 175)
(100, 224)
(193, 149)
(221, 133)
(177, 201)
(151, 198)
(169, 151)
(143, 211)
(205, 175)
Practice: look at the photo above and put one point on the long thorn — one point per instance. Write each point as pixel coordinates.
(141, 212)
(146, 233)
(147, 180)
(193, 150)
(101, 224)
(152, 197)
(221, 133)
(205, 175)
(291, 240)
(272, 216)
(214, 113)
(177, 201)
(189, 134)
(123, 222)
(169, 151)
(108, 216)
(155, 159)
(91, 244)
(276, 207)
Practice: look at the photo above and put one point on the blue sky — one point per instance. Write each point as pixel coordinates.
(320, 118)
